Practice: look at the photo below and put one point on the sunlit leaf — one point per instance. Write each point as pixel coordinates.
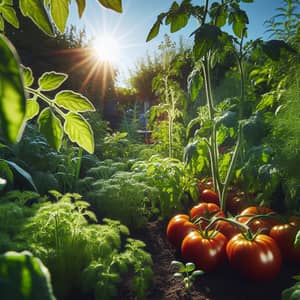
(32, 109)
(115, 5)
(9, 14)
(35, 10)
(51, 127)
(50, 81)
(12, 96)
(27, 76)
(80, 7)
(154, 31)
(60, 12)
(74, 102)
(79, 131)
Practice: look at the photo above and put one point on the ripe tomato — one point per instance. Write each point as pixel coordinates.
(227, 229)
(259, 259)
(205, 253)
(209, 196)
(285, 235)
(178, 227)
(206, 210)
(264, 225)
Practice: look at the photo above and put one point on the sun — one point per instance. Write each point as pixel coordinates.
(107, 49)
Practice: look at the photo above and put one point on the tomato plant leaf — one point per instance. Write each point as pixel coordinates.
(79, 131)
(12, 96)
(80, 7)
(1, 24)
(27, 76)
(219, 13)
(59, 13)
(239, 19)
(35, 10)
(115, 5)
(50, 81)
(74, 102)
(206, 38)
(9, 14)
(51, 127)
(32, 109)
(177, 17)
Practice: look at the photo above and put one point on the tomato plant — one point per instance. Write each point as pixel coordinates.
(258, 258)
(206, 250)
(178, 227)
(285, 235)
(227, 229)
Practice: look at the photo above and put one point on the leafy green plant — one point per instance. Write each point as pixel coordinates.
(123, 196)
(172, 180)
(187, 273)
(80, 256)
(23, 276)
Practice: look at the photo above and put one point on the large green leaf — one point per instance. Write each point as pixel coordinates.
(51, 127)
(50, 81)
(24, 277)
(74, 102)
(35, 10)
(60, 13)
(80, 7)
(12, 95)
(115, 5)
(79, 131)
(177, 17)
(207, 37)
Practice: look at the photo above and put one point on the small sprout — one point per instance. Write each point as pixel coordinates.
(186, 272)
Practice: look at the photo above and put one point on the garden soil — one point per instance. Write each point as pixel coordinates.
(222, 284)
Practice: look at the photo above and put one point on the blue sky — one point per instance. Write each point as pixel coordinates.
(132, 26)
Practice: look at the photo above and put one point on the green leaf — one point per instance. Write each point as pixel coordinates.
(32, 109)
(27, 76)
(154, 31)
(60, 13)
(115, 5)
(190, 267)
(50, 81)
(23, 173)
(80, 7)
(79, 131)
(195, 83)
(12, 95)
(177, 17)
(35, 10)
(239, 19)
(267, 101)
(24, 277)
(74, 102)
(51, 127)
(197, 273)
(9, 14)
(1, 24)
(206, 38)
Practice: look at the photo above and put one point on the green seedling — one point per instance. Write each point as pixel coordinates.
(187, 273)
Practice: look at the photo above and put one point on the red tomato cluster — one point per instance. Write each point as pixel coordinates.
(256, 253)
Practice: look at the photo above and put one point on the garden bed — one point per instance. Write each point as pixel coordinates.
(222, 284)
